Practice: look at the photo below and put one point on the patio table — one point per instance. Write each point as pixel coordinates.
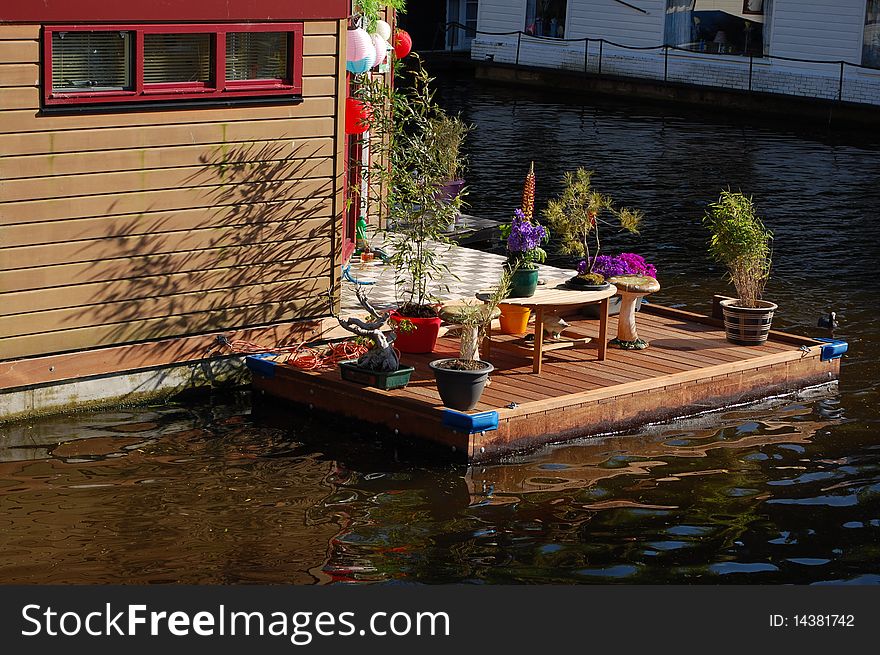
(554, 297)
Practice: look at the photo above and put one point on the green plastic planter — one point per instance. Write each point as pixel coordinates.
(381, 380)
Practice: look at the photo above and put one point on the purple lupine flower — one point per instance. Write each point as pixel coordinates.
(524, 236)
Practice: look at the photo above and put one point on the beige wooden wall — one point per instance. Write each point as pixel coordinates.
(133, 226)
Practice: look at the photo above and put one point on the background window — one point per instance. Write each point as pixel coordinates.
(727, 27)
(91, 61)
(546, 17)
(170, 58)
(256, 56)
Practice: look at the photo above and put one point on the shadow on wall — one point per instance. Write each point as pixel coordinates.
(260, 253)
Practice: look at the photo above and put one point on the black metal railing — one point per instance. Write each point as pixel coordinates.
(599, 53)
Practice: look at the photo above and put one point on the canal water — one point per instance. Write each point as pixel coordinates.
(783, 492)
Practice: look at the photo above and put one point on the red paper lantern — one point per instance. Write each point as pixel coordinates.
(402, 44)
(357, 116)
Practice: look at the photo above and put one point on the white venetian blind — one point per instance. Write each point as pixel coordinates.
(177, 58)
(91, 61)
(256, 56)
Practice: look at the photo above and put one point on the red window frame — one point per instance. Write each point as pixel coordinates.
(219, 88)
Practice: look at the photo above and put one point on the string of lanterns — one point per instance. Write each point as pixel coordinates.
(364, 52)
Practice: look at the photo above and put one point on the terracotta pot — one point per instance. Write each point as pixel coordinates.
(422, 339)
(514, 319)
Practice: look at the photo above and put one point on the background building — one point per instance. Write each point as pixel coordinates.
(819, 48)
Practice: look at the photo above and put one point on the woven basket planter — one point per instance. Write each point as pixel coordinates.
(747, 326)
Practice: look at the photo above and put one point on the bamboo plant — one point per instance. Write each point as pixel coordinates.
(741, 242)
(408, 165)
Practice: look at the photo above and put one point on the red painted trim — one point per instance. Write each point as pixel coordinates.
(205, 11)
(177, 91)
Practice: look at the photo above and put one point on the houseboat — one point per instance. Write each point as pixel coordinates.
(171, 174)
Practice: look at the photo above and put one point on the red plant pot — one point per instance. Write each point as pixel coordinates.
(422, 339)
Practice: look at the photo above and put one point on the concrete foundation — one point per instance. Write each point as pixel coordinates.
(128, 388)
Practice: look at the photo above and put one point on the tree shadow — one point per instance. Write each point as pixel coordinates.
(254, 246)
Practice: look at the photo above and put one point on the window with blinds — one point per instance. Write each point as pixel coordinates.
(174, 58)
(91, 61)
(256, 56)
(94, 64)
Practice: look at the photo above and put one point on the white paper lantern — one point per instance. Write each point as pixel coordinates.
(383, 29)
(381, 46)
(360, 54)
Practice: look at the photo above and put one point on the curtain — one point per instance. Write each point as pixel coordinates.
(871, 43)
(531, 14)
(768, 22)
(679, 22)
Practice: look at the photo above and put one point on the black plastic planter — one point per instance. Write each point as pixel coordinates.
(460, 390)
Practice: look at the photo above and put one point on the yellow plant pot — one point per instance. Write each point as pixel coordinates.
(514, 319)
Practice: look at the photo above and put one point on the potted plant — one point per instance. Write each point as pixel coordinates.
(741, 242)
(408, 165)
(575, 218)
(450, 132)
(524, 253)
(461, 380)
(605, 267)
(380, 365)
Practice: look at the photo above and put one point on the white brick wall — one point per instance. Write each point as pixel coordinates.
(768, 75)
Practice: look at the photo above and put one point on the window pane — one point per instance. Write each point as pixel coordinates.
(546, 17)
(177, 58)
(91, 61)
(256, 56)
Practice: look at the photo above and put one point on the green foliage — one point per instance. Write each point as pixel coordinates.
(741, 242)
(450, 132)
(408, 165)
(371, 10)
(577, 214)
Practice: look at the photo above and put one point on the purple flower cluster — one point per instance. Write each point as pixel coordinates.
(627, 263)
(524, 236)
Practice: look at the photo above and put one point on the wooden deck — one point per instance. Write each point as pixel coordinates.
(688, 368)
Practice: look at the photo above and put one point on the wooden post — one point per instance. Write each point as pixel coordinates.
(518, 42)
(603, 329)
(539, 340)
(751, 67)
(665, 63)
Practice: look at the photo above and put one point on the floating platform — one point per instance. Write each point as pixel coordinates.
(689, 368)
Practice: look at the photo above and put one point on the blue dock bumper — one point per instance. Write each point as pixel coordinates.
(262, 365)
(833, 349)
(470, 423)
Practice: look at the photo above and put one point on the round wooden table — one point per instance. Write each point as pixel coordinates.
(556, 296)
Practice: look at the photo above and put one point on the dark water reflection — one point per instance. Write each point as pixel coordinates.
(788, 492)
